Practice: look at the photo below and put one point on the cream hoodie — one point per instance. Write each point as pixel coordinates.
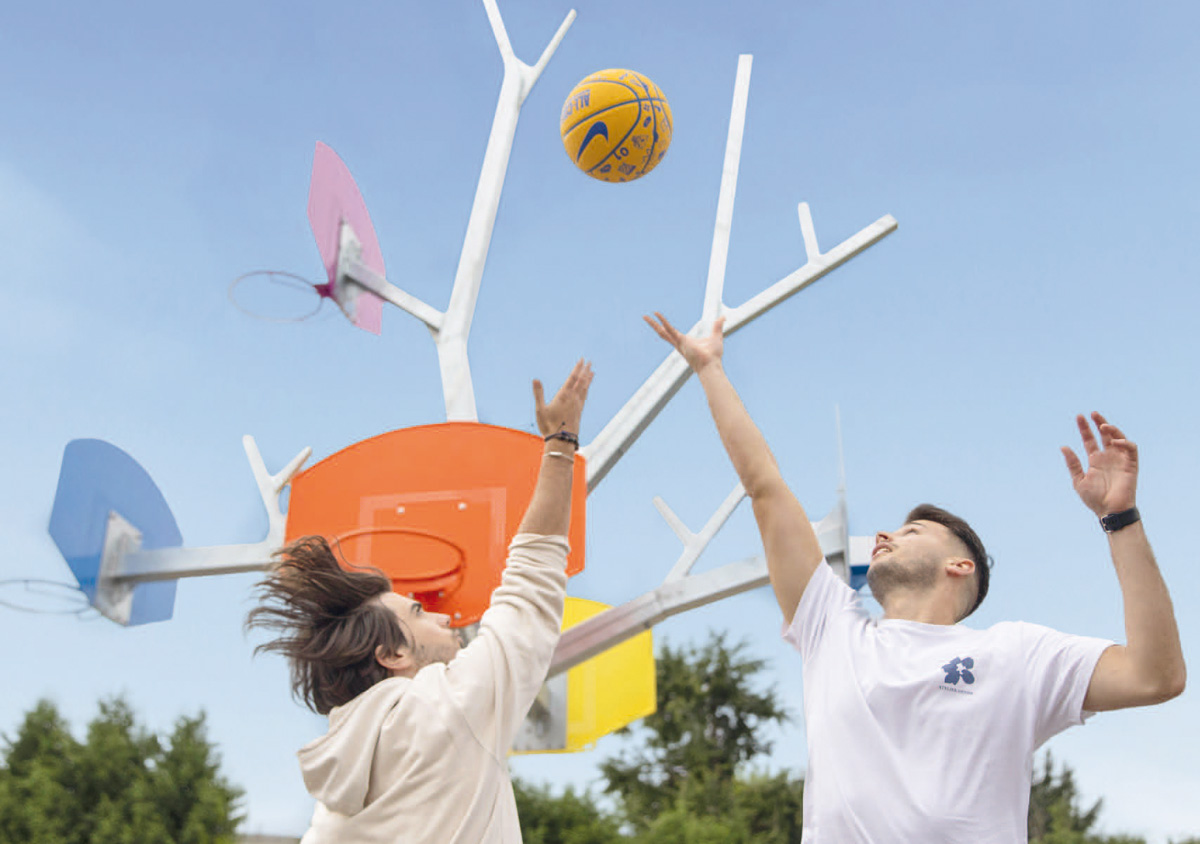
(424, 760)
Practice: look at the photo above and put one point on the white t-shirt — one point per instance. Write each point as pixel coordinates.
(926, 732)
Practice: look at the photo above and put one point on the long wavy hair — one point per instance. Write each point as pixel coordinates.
(329, 624)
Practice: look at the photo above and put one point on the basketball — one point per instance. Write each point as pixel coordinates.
(616, 125)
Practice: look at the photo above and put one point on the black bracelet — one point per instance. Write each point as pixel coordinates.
(565, 436)
(1113, 522)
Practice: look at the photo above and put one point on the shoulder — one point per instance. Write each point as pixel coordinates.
(826, 601)
(826, 589)
(382, 696)
(1044, 646)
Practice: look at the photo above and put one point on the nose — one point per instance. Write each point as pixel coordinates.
(882, 536)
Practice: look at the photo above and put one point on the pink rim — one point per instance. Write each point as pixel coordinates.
(284, 279)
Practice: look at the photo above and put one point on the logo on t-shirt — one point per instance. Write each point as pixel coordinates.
(959, 669)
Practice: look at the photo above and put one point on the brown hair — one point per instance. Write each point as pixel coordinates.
(329, 623)
(968, 537)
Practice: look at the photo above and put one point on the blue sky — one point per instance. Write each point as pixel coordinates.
(1040, 162)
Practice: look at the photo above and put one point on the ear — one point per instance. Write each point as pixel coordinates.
(398, 664)
(960, 567)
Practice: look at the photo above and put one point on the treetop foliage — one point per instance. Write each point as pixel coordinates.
(122, 785)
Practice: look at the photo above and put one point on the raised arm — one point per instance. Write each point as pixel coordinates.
(495, 679)
(549, 511)
(791, 546)
(1149, 667)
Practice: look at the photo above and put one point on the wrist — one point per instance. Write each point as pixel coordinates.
(1119, 519)
(564, 437)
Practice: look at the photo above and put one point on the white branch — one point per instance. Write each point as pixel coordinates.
(652, 396)
(729, 174)
(695, 543)
(674, 522)
(811, 250)
(493, 13)
(536, 70)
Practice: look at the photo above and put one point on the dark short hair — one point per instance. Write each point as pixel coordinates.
(968, 537)
(329, 622)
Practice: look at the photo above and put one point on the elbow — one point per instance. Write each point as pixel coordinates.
(1177, 682)
(760, 486)
(1170, 685)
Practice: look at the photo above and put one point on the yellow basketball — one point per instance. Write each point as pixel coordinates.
(616, 125)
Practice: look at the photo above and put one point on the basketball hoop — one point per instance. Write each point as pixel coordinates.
(43, 597)
(277, 296)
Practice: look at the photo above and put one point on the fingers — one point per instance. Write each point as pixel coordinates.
(577, 384)
(663, 328)
(1109, 432)
(718, 329)
(582, 376)
(539, 396)
(1116, 440)
(1085, 433)
(1101, 424)
(1110, 435)
(1073, 465)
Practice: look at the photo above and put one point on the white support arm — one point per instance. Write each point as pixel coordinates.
(729, 173)
(695, 543)
(351, 270)
(652, 396)
(451, 329)
(536, 70)
(614, 626)
(451, 338)
(137, 566)
(175, 563)
(674, 522)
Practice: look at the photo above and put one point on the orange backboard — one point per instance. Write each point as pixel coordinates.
(433, 507)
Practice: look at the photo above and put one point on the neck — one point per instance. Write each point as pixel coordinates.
(924, 607)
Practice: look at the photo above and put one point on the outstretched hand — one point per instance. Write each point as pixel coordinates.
(565, 409)
(698, 352)
(1110, 483)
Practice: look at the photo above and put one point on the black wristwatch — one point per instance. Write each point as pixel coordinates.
(1113, 522)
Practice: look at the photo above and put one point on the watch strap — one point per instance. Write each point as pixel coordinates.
(1113, 522)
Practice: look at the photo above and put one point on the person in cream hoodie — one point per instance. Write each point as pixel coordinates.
(419, 727)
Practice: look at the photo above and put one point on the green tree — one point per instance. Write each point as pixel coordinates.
(37, 783)
(563, 819)
(708, 727)
(121, 786)
(1057, 814)
(771, 806)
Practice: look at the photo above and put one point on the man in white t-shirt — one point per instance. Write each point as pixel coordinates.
(920, 729)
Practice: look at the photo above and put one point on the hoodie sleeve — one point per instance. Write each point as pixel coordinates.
(495, 679)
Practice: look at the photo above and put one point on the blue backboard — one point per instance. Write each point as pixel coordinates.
(97, 479)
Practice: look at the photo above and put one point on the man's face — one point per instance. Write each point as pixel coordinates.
(914, 542)
(911, 557)
(431, 639)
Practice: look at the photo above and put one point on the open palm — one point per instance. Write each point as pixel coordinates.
(699, 352)
(563, 411)
(1109, 485)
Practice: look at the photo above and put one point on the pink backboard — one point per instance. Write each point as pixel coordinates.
(333, 197)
